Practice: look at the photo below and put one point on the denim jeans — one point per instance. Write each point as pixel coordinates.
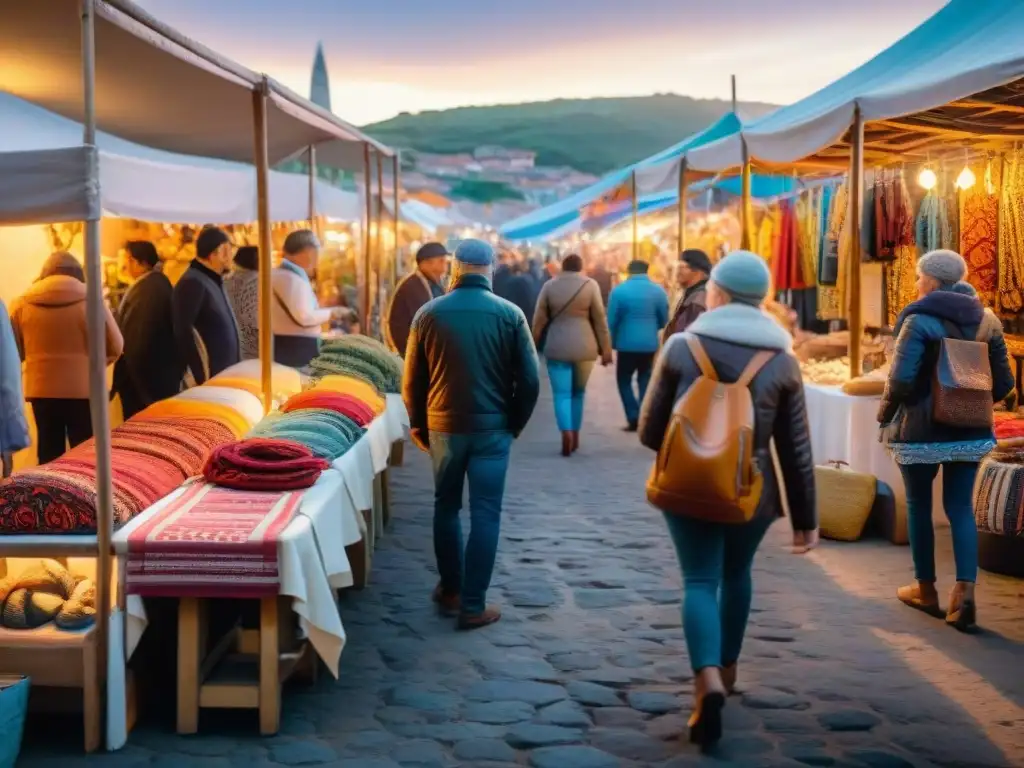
(716, 562)
(627, 365)
(568, 385)
(482, 458)
(958, 503)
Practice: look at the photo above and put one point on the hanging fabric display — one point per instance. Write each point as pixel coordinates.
(933, 231)
(979, 232)
(808, 212)
(1011, 235)
(828, 249)
(764, 243)
(787, 251)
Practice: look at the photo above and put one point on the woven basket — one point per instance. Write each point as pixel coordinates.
(845, 499)
(13, 705)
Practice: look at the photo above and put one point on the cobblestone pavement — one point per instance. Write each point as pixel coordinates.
(588, 668)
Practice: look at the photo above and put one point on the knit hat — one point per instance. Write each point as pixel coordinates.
(431, 251)
(948, 267)
(744, 276)
(476, 253)
(695, 258)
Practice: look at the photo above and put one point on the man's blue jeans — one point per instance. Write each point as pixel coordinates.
(628, 365)
(958, 502)
(716, 561)
(568, 386)
(482, 459)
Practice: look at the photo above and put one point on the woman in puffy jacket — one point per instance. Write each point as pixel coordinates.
(946, 307)
(716, 558)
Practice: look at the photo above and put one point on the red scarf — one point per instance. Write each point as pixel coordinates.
(262, 464)
(347, 405)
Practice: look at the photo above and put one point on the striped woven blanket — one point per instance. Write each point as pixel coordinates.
(211, 542)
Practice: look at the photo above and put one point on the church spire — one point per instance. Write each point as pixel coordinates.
(320, 86)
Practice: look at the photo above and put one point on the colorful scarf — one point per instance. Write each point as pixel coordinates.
(348, 405)
(260, 464)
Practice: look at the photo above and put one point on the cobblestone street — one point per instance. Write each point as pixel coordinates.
(588, 667)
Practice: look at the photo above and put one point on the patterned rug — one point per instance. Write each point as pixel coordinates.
(211, 542)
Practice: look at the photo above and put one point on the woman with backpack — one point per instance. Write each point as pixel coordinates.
(934, 414)
(571, 331)
(735, 355)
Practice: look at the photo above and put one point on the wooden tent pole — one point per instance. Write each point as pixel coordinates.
(96, 319)
(266, 330)
(856, 213)
(397, 203)
(312, 189)
(379, 239)
(636, 217)
(681, 216)
(368, 190)
(746, 208)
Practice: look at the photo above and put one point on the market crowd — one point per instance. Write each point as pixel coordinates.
(160, 338)
(712, 385)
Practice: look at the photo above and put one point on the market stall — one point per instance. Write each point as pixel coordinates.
(86, 60)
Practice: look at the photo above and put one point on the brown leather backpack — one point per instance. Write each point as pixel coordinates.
(962, 382)
(705, 468)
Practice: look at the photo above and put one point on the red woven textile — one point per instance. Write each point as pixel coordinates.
(347, 405)
(211, 542)
(263, 464)
(1009, 428)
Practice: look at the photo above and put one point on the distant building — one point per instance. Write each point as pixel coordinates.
(500, 158)
(320, 86)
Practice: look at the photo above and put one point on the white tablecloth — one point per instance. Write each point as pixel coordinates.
(845, 428)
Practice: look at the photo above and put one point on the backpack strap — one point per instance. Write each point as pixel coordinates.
(700, 356)
(757, 362)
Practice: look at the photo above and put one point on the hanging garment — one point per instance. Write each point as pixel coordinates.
(951, 235)
(828, 298)
(932, 224)
(808, 210)
(787, 252)
(764, 243)
(979, 233)
(829, 271)
(893, 219)
(1011, 235)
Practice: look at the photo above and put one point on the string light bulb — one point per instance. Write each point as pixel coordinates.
(927, 179)
(966, 179)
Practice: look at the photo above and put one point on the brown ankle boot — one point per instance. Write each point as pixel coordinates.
(706, 721)
(922, 596)
(962, 613)
(575, 441)
(567, 443)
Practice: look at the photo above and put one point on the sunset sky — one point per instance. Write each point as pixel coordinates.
(391, 56)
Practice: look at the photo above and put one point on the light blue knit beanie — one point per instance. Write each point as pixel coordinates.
(744, 276)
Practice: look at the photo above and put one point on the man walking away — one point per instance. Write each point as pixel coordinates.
(204, 325)
(503, 274)
(637, 311)
(471, 384)
(694, 268)
(522, 290)
(600, 275)
(149, 369)
(414, 291)
(297, 318)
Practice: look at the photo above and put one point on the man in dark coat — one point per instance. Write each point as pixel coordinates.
(204, 323)
(414, 291)
(149, 369)
(694, 268)
(471, 383)
(522, 290)
(599, 274)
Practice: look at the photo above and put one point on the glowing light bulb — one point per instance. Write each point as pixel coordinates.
(927, 179)
(966, 179)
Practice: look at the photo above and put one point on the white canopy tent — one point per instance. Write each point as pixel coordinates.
(136, 181)
(950, 78)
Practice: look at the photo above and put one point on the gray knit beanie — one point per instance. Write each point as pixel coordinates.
(948, 267)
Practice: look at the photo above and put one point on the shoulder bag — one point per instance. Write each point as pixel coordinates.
(551, 319)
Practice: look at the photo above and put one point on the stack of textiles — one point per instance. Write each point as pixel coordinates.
(262, 464)
(152, 454)
(362, 357)
(999, 494)
(359, 389)
(247, 404)
(247, 375)
(348, 405)
(328, 434)
(46, 591)
(1008, 426)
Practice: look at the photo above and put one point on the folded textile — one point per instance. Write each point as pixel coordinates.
(252, 386)
(196, 409)
(247, 404)
(350, 365)
(348, 385)
(1006, 428)
(348, 405)
(327, 433)
(211, 542)
(41, 500)
(263, 464)
(284, 381)
(369, 351)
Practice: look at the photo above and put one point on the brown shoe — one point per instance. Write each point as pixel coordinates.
(963, 613)
(705, 722)
(448, 605)
(921, 596)
(575, 441)
(567, 443)
(490, 615)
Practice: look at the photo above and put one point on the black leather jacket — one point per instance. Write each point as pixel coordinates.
(778, 394)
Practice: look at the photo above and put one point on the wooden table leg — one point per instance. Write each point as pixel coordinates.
(270, 683)
(189, 660)
(378, 509)
(385, 495)
(91, 699)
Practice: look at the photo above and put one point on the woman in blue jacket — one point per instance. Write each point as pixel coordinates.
(946, 307)
(637, 311)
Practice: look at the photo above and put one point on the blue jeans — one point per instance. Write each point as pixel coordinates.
(628, 364)
(716, 562)
(568, 385)
(958, 503)
(482, 458)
